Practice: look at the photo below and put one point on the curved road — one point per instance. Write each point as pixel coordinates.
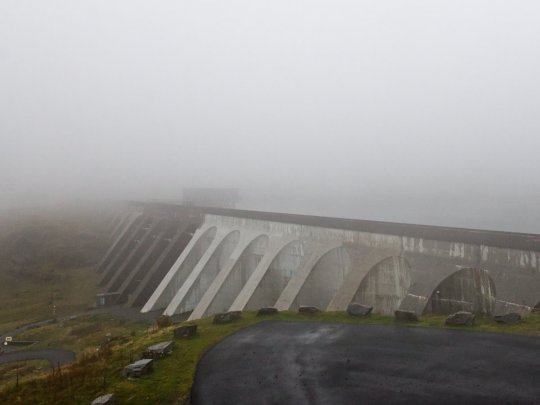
(57, 357)
(312, 363)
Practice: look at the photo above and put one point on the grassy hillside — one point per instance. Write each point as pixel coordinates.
(46, 263)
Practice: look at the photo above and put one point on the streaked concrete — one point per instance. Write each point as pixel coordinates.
(326, 262)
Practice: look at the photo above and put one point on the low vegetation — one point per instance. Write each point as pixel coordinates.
(21, 371)
(46, 261)
(99, 368)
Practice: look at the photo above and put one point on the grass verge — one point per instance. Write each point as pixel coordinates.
(99, 371)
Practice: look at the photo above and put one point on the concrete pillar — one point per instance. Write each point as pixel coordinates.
(141, 245)
(117, 241)
(325, 279)
(123, 249)
(178, 273)
(122, 221)
(114, 223)
(156, 246)
(289, 294)
(249, 298)
(427, 274)
(196, 283)
(364, 261)
(154, 275)
(220, 295)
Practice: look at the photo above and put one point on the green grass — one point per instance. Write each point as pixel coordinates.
(171, 381)
(70, 290)
(86, 332)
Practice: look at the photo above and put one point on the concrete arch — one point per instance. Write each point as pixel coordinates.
(415, 300)
(385, 285)
(324, 279)
(198, 281)
(230, 281)
(278, 274)
(287, 299)
(467, 289)
(190, 256)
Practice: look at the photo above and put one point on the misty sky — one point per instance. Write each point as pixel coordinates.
(410, 111)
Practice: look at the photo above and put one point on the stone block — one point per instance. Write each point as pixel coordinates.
(158, 350)
(139, 368)
(227, 317)
(405, 316)
(304, 309)
(460, 318)
(356, 309)
(267, 311)
(509, 319)
(185, 332)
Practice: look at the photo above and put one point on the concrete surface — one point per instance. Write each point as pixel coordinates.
(309, 265)
(245, 260)
(280, 362)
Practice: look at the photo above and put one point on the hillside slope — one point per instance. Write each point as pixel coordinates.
(46, 261)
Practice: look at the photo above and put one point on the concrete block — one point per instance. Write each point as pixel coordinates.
(308, 310)
(139, 368)
(405, 316)
(509, 319)
(227, 317)
(158, 350)
(185, 331)
(356, 309)
(267, 311)
(460, 318)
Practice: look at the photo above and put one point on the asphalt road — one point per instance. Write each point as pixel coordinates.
(312, 363)
(57, 357)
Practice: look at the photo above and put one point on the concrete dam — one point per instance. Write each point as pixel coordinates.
(199, 261)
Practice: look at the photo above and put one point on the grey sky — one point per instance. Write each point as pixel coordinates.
(413, 111)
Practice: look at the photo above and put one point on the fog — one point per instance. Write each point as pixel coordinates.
(416, 111)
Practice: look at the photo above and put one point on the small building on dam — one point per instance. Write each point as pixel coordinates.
(184, 259)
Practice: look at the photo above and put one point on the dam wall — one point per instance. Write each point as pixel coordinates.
(245, 260)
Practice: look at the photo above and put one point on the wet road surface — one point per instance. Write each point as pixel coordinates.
(280, 362)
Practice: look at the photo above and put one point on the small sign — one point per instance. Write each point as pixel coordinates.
(9, 339)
